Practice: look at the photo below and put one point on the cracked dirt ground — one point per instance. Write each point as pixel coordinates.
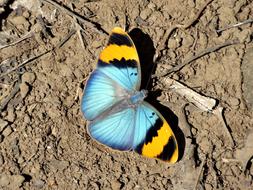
(44, 65)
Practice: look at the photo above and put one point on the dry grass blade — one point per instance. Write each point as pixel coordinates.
(78, 28)
(26, 36)
(66, 38)
(24, 63)
(219, 112)
(185, 26)
(198, 55)
(199, 174)
(87, 22)
(63, 41)
(234, 25)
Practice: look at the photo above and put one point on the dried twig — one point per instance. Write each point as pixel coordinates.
(66, 38)
(199, 174)
(228, 160)
(40, 55)
(219, 112)
(198, 55)
(24, 63)
(26, 36)
(78, 28)
(202, 102)
(86, 21)
(235, 25)
(185, 26)
(186, 128)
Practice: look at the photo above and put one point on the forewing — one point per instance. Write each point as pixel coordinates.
(100, 93)
(119, 60)
(153, 136)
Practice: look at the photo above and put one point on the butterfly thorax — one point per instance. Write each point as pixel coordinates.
(138, 96)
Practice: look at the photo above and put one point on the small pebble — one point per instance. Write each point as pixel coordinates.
(4, 180)
(21, 160)
(194, 131)
(3, 124)
(1, 160)
(27, 119)
(11, 116)
(151, 6)
(188, 41)
(28, 77)
(96, 44)
(26, 14)
(208, 186)
(1, 10)
(24, 89)
(7, 131)
(115, 185)
(54, 131)
(174, 43)
(38, 183)
(18, 20)
(1, 138)
(16, 181)
(145, 13)
(233, 101)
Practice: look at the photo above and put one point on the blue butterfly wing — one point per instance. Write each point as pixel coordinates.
(115, 130)
(100, 93)
(153, 136)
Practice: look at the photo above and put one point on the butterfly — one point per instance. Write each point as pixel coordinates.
(114, 105)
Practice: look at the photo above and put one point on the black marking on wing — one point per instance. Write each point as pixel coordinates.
(123, 63)
(168, 149)
(120, 39)
(152, 132)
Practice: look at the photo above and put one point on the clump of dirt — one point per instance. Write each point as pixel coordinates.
(46, 54)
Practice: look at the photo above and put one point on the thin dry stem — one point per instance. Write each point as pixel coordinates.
(198, 55)
(87, 22)
(78, 28)
(26, 36)
(199, 174)
(168, 32)
(234, 25)
(219, 112)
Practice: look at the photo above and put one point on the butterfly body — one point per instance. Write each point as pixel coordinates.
(114, 104)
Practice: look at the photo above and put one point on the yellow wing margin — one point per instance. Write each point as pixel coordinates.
(163, 146)
(120, 46)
